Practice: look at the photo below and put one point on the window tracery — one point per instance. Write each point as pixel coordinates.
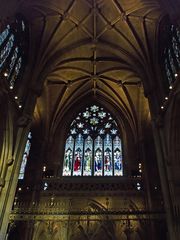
(93, 146)
(12, 51)
(172, 53)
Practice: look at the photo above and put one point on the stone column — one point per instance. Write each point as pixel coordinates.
(11, 177)
(157, 131)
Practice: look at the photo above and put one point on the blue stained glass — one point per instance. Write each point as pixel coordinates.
(18, 65)
(108, 156)
(4, 34)
(176, 49)
(178, 34)
(168, 73)
(12, 51)
(87, 166)
(172, 54)
(13, 60)
(101, 131)
(117, 149)
(16, 72)
(86, 131)
(68, 156)
(25, 157)
(77, 171)
(98, 156)
(6, 50)
(171, 61)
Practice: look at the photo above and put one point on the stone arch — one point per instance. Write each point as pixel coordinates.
(126, 127)
(122, 236)
(95, 226)
(47, 230)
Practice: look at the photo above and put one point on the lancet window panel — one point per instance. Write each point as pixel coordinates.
(172, 54)
(93, 146)
(88, 155)
(25, 157)
(12, 51)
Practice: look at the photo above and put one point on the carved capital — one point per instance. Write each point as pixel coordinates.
(10, 161)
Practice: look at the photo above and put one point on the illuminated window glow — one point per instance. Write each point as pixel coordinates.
(12, 51)
(93, 146)
(172, 54)
(25, 157)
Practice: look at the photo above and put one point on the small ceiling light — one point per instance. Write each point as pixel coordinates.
(11, 87)
(16, 97)
(5, 74)
(166, 98)
(175, 74)
(20, 106)
(170, 87)
(162, 107)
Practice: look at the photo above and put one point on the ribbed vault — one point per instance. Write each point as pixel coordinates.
(100, 48)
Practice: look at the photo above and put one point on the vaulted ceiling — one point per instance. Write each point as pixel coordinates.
(81, 49)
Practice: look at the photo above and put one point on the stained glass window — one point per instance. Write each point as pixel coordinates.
(68, 156)
(172, 53)
(4, 34)
(98, 157)
(108, 168)
(88, 150)
(12, 51)
(77, 171)
(25, 156)
(117, 149)
(93, 145)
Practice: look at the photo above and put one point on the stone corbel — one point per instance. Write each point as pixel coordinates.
(10, 162)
